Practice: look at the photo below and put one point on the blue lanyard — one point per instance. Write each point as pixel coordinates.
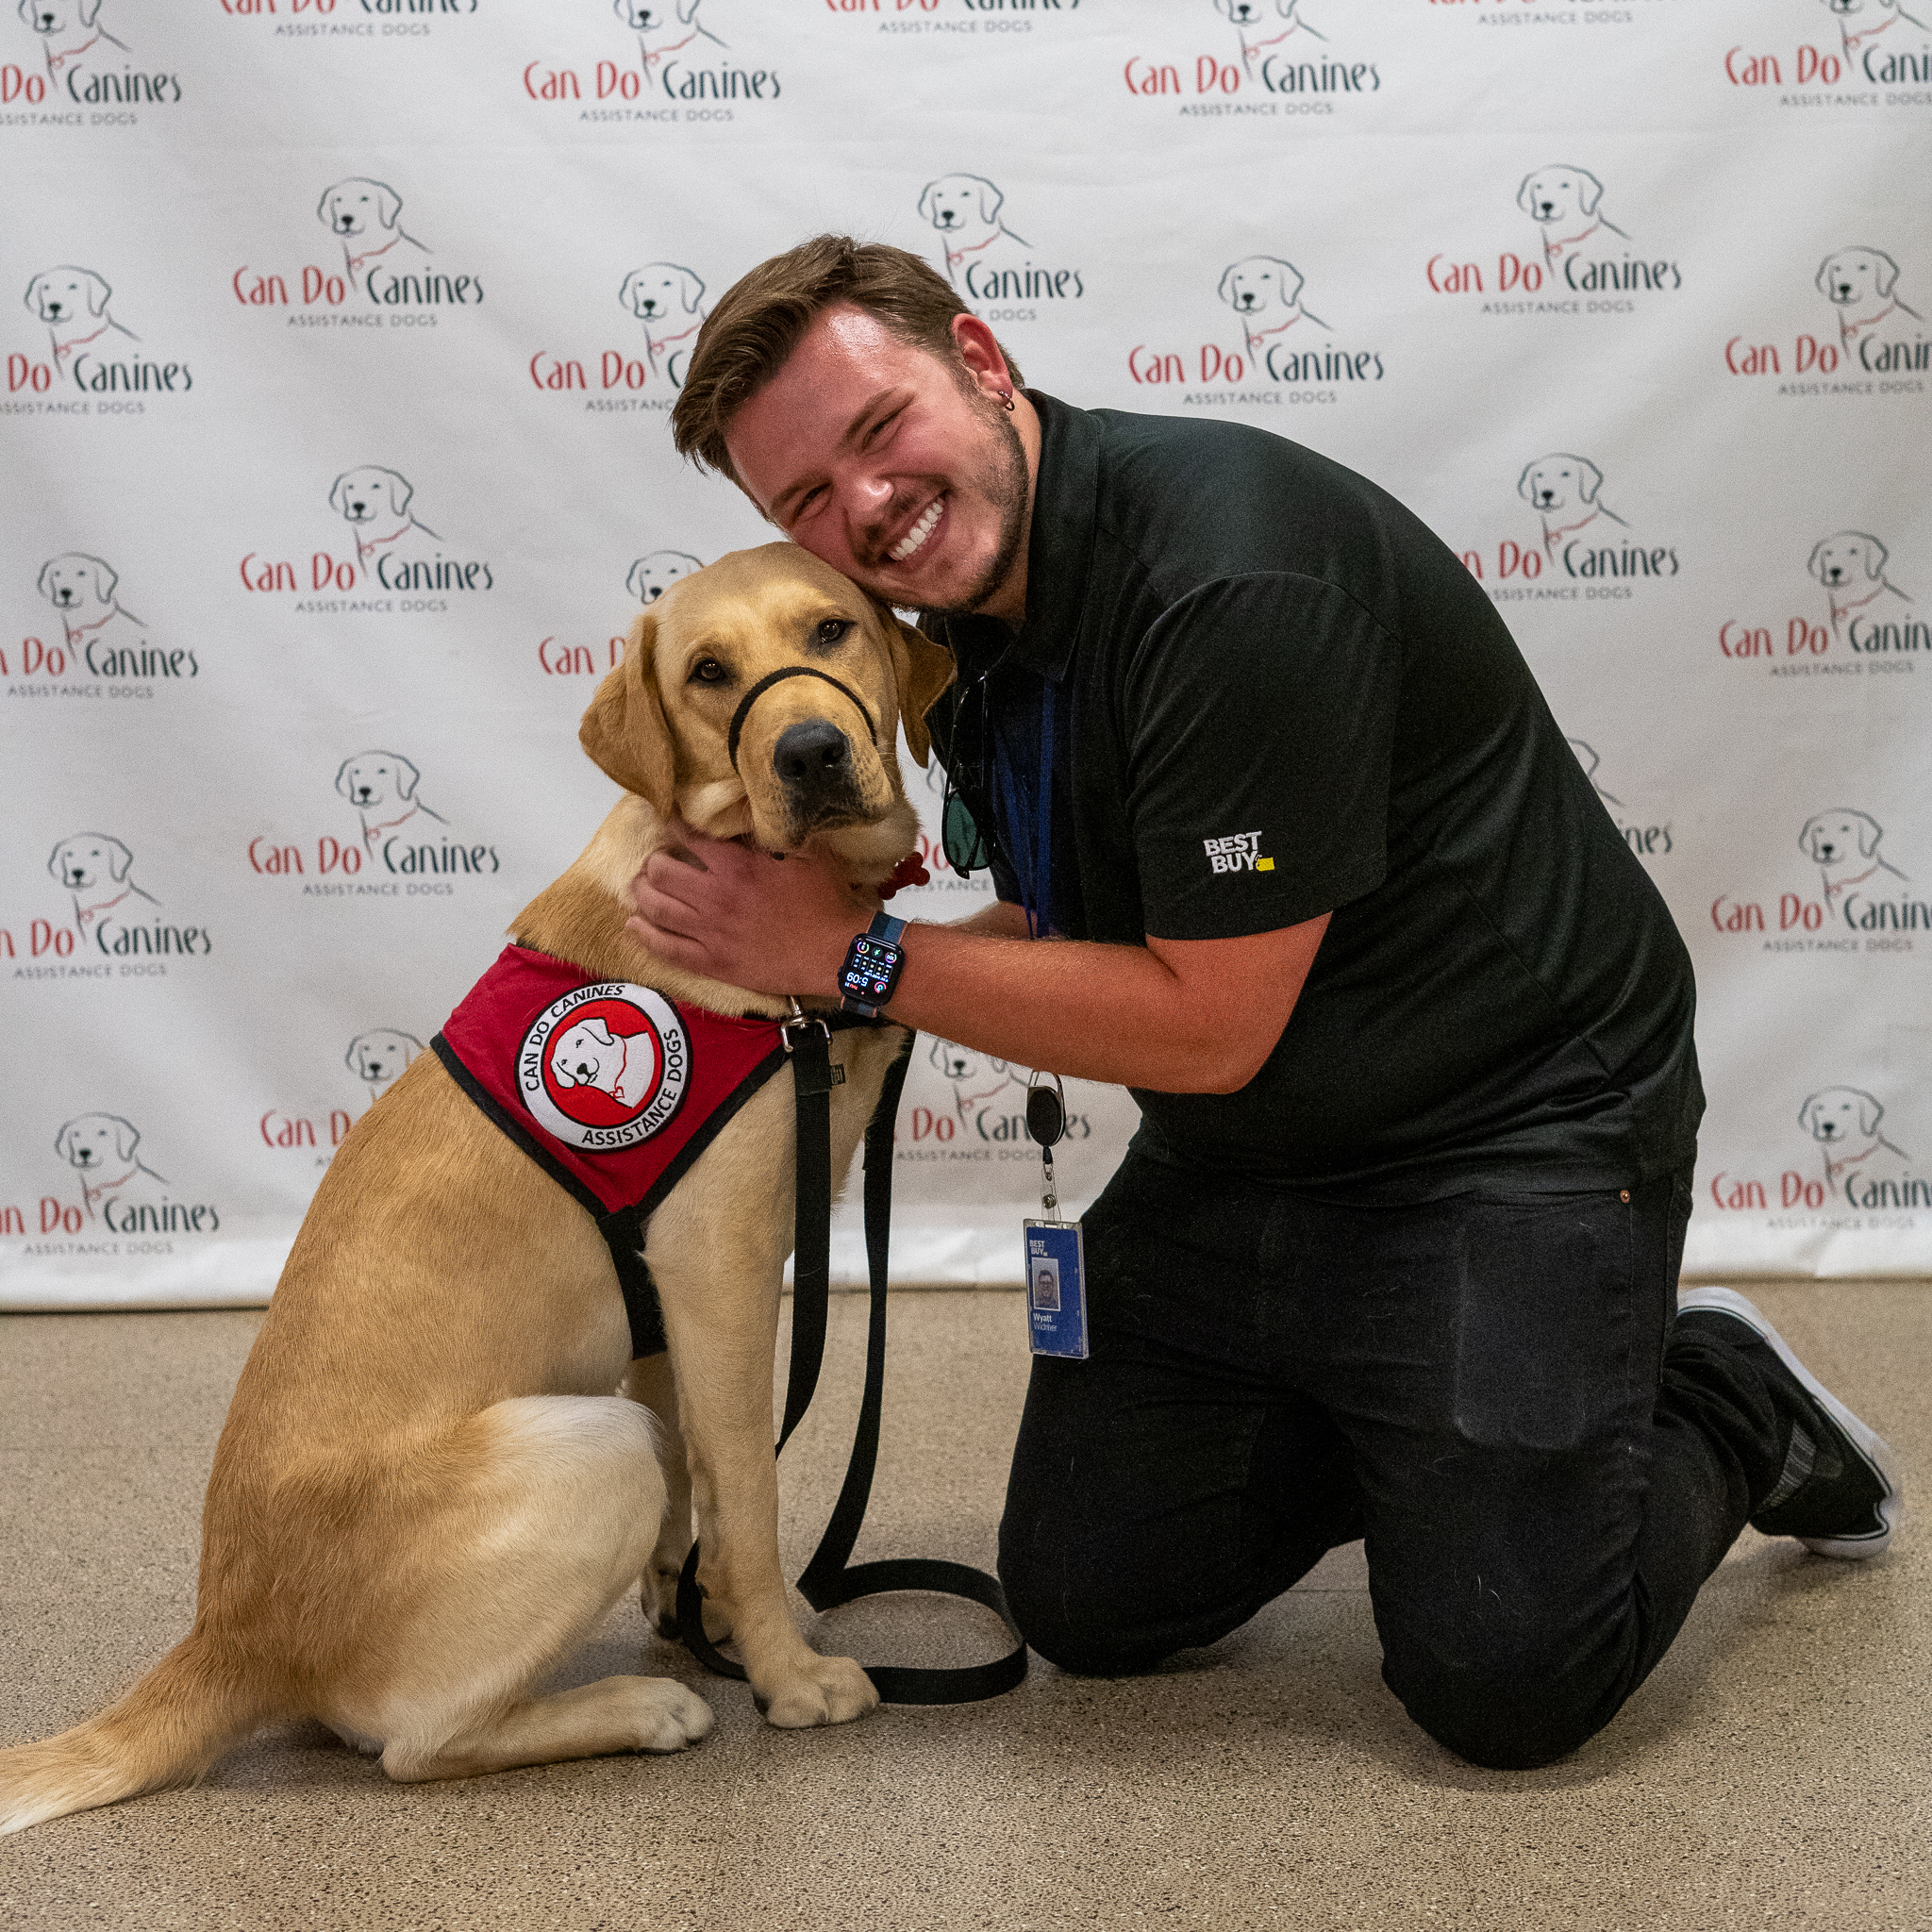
(1031, 833)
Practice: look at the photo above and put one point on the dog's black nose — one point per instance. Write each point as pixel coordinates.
(813, 760)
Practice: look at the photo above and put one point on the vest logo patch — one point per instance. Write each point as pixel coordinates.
(605, 1066)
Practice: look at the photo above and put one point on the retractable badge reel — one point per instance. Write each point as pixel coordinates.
(1056, 1260)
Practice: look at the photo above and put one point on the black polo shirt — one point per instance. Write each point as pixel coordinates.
(1279, 695)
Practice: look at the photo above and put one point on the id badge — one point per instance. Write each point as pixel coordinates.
(1057, 1289)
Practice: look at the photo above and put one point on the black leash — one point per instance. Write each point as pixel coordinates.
(828, 1580)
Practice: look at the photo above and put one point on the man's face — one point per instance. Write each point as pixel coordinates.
(874, 455)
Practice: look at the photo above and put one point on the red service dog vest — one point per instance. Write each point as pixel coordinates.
(612, 1089)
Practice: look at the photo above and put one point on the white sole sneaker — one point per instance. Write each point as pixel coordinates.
(1865, 1443)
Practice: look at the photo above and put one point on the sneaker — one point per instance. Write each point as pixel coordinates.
(1840, 1493)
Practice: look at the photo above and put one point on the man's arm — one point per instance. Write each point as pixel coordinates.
(1177, 1016)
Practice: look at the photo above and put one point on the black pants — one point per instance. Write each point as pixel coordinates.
(1486, 1389)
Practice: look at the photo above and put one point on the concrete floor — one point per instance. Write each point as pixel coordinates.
(1774, 1772)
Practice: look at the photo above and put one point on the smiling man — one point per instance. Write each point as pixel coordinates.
(1287, 841)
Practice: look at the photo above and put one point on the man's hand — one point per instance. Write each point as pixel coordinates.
(735, 914)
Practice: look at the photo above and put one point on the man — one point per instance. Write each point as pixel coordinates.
(1394, 1251)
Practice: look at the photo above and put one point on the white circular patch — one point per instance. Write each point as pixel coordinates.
(605, 1066)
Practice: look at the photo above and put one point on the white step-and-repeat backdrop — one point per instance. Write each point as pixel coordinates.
(337, 364)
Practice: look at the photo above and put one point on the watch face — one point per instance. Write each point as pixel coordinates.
(870, 968)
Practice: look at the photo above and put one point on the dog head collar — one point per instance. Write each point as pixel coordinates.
(771, 678)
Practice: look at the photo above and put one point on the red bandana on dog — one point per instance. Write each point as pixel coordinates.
(613, 1090)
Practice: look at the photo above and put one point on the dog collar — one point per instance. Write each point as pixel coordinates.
(957, 254)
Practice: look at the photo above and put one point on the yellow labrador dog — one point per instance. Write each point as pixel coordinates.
(428, 1492)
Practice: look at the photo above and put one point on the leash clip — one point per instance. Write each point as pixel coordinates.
(803, 1022)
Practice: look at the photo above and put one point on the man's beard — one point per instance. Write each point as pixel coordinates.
(1001, 479)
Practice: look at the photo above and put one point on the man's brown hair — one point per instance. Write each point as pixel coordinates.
(761, 317)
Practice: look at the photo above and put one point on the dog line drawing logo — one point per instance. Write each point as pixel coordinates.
(1251, 17)
(655, 572)
(605, 1066)
(1266, 292)
(73, 302)
(1844, 845)
(662, 294)
(1851, 566)
(964, 211)
(1861, 283)
(68, 29)
(1565, 493)
(374, 503)
(81, 589)
(377, 1057)
(977, 1079)
(1587, 757)
(100, 1147)
(381, 785)
(663, 31)
(356, 211)
(95, 869)
(1845, 1122)
(1883, 14)
(1566, 204)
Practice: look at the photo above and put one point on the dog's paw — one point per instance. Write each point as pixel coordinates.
(668, 1716)
(829, 1690)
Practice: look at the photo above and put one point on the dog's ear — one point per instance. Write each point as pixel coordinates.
(45, 586)
(1876, 554)
(1225, 291)
(1887, 276)
(691, 288)
(990, 200)
(1870, 1111)
(635, 583)
(63, 1142)
(1290, 275)
(32, 298)
(104, 579)
(1593, 478)
(1808, 1116)
(1870, 832)
(1593, 190)
(624, 733)
(686, 9)
(335, 493)
(127, 1137)
(1822, 280)
(922, 670)
(599, 1032)
(412, 1046)
(349, 1058)
(926, 213)
(1524, 488)
(98, 291)
(630, 281)
(1524, 200)
(1806, 835)
(321, 213)
(342, 775)
(388, 204)
(407, 776)
(1815, 563)
(89, 11)
(400, 493)
(54, 866)
(122, 859)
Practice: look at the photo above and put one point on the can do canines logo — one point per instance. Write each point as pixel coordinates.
(605, 1066)
(1860, 1165)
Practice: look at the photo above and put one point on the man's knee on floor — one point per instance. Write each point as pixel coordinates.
(1071, 1618)
(1504, 1714)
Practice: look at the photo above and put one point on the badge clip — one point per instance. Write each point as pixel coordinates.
(1055, 1255)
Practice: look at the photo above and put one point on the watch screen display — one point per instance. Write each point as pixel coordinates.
(869, 969)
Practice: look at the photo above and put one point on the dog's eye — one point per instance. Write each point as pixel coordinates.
(708, 671)
(831, 631)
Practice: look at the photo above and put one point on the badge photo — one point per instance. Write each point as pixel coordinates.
(605, 1066)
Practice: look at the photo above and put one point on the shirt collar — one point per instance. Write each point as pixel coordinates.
(1060, 546)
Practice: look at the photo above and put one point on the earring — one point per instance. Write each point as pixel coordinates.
(1006, 402)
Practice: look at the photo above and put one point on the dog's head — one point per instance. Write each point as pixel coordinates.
(1850, 278)
(59, 294)
(379, 1055)
(1848, 557)
(1853, 9)
(74, 581)
(96, 1142)
(651, 576)
(765, 694)
(1260, 285)
(1831, 838)
(89, 859)
(1559, 194)
(358, 206)
(373, 778)
(642, 15)
(1840, 1114)
(661, 289)
(1559, 482)
(52, 17)
(959, 1063)
(955, 203)
(363, 495)
(589, 1054)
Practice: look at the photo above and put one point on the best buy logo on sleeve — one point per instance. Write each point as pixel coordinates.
(1238, 852)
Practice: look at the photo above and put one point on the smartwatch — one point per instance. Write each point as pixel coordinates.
(872, 966)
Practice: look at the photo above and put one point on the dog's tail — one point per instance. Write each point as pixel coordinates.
(168, 1730)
